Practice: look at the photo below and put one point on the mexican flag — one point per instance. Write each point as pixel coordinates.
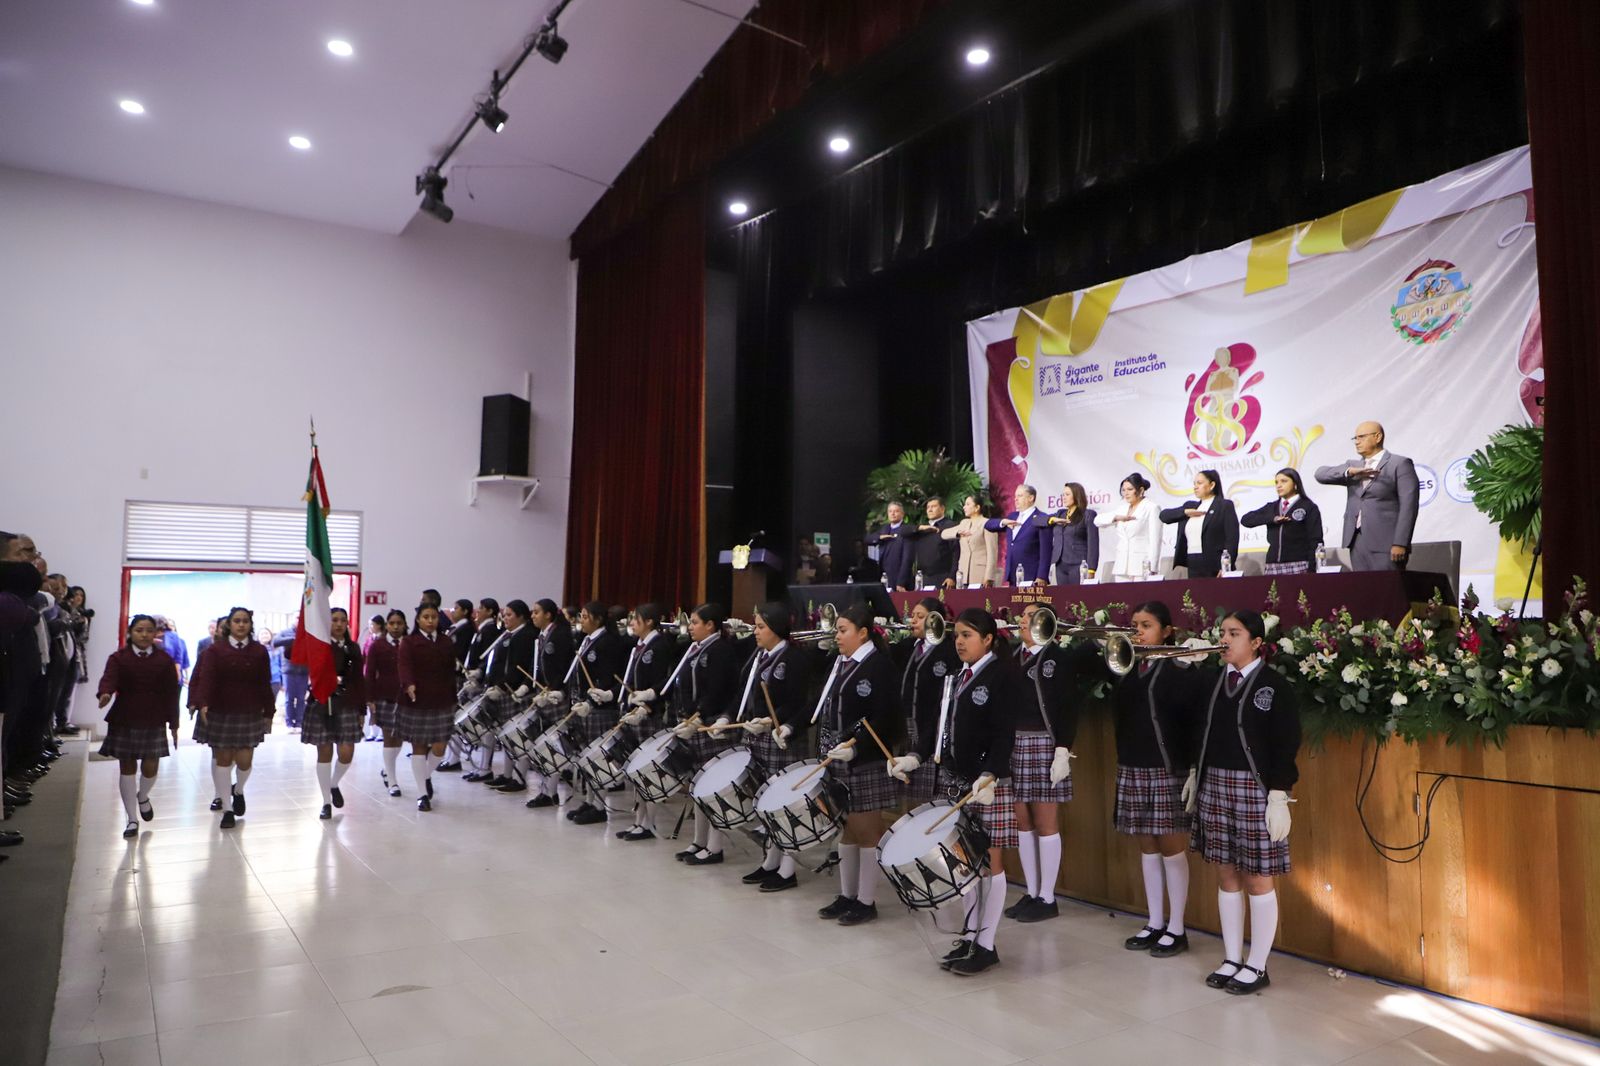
(313, 643)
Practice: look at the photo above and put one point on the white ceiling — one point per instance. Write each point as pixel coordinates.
(225, 83)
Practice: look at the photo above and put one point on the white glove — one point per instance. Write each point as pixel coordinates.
(521, 693)
(582, 709)
(781, 735)
(547, 699)
(1278, 815)
(473, 687)
(840, 753)
(635, 716)
(1190, 793)
(601, 695)
(900, 768)
(723, 721)
(757, 725)
(474, 675)
(641, 695)
(1061, 765)
(983, 790)
(1199, 657)
(685, 730)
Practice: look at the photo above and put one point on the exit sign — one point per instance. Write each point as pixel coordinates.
(374, 599)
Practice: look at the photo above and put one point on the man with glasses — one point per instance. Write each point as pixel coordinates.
(1380, 510)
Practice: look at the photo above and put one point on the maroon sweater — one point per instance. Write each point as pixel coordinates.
(146, 687)
(235, 681)
(431, 666)
(383, 671)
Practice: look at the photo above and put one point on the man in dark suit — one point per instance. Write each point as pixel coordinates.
(1028, 539)
(1380, 510)
(894, 547)
(932, 554)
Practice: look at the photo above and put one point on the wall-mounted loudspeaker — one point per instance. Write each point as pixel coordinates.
(504, 445)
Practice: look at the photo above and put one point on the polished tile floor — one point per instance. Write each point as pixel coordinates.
(487, 933)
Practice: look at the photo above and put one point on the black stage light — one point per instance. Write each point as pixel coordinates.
(493, 115)
(430, 185)
(550, 44)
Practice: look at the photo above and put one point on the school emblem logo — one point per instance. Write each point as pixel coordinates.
(1298, 514)
(779, 670)
(980, 695)
(940, 669)
(1432, 302)
(590, 656)
(647, 657)
(863, 688)
(1263, 699)
(1049, 668)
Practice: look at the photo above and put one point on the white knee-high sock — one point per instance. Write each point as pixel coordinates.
(1155, 893)
(867, 878)
(325, 781)
(1230, 912)
(1049, 866)
(702, 830)
(647, 815)
(431, 762)
(786, 865)
(1028, 855)
(714, 841)
(1263, 928)
(220, 776)
(1177, 869)
(391, 756)
(849, 870)
(144, 787)
(239, 778)
(128, 785)
(419, 772)
(338, 772)
(994, 905)
(770, 860)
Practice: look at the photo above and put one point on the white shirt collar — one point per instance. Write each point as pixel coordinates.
(1030, 650)
(391, 638)
(1205, 504)
(1248, 669)
(1375, 460)
(236, 642)
(703, 644)
(988, 657)
(514, 632)
(777, 649)
(142, 652)
(863, 653)
(1022, 516)
(1289, 500)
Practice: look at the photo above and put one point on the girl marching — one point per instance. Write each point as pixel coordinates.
(235, 701)
(338, 722)
(382, 676)
(144, 682)
(427, 662)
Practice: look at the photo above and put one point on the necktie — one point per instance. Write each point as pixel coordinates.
(920, 650)
(1235, 679)
(1283, 506)
(761, 662)
(966, 675)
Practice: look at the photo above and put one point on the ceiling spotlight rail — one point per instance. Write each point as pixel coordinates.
(549, 43)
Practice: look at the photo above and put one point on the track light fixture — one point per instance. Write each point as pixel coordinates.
(493, 115)
(430, 185)
(549, 43)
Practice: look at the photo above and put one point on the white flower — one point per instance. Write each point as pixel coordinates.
(1399, 699)
(1356, 630)
(1350, 673)
(1286, 644)
(1101, 618)
(1461, 699)
(1550, 668)
(1586, 616)
(1269, 622)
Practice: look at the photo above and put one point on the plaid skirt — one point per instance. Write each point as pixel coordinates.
(1231, 827)
(422, 726)
(229, 731)
(1031, 756)
(767, 758)
(704, 747)
(999, 817)
(598, 722)
(387, 714)
(1149, 802)
(867, 778)
(920, 789)
(1271, 569)
(199, 730)
(135, 742)
(343, 726)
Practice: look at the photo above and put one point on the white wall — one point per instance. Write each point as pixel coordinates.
(166, 349)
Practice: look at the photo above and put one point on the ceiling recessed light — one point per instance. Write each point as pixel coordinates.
(342, 49)
(838, 144)
(145, 3)
(977, 57)
(738, 207)
(132, 107)
(301, 143)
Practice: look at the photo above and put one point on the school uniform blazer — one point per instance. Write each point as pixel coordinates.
(382, 671)
(865, 692)
(237, 681)
(706, 685)
(347, 665)
(787, 676)
(202, 663)
(430, 665)
(980, 730)
(1075, 543)
(978, 553)
(1132, 543)
(556, 650)
(604, 660)
(922, 683)
(1056, 682)
(1159, 714)
(481, 641)
(502, 665)
(895, 554)
(1219, 532)
(461, 634)
(1266, 720)
(1029, 546)
(1293, 540)
(650, 668)
(146, 688)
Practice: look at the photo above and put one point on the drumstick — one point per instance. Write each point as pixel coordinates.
(771, 710)
(542, 686)
(887, 754)
(962, 802)
(717, 727)
(585, 669)
(823, 764)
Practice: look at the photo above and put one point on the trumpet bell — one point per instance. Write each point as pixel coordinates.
(934, 629)
(1042, 627)
(1121, 656)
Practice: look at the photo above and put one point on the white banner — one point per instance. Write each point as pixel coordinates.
(1418, 310)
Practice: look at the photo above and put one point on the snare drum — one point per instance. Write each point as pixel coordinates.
(605, 760)
(473, 723)
(661, 767)
(517, 736)
(725, 788)
(800, 815)
(930, 865)
(551, 751)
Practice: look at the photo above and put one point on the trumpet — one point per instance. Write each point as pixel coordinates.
(740, 628)
(1045, 627)
(934, 629)
(681, 624)
(830, 619)
(1122, 654)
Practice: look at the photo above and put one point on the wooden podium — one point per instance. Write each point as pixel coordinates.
(750, 581)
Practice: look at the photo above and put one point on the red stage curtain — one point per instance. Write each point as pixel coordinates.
(752, 78)
(634, 520)
(1562, 38)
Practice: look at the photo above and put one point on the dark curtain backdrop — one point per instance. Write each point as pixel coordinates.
(634, 523)
(1563, 57)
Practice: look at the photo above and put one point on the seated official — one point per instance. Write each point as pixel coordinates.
(1207, 525)
(1294, 525)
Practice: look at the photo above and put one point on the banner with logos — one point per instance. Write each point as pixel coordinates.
(1417, 309)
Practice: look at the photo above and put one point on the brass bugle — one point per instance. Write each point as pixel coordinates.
(830, 619)
(1045, 627)
(1122, 654)
(934, 629)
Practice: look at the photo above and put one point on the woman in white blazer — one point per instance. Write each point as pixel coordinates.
(980, 550)
(1134, 535)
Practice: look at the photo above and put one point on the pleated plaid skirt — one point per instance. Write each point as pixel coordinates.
(920, 788)
(228, 731)
(423, 726)
(704, 747)
(1031, 755)
(135, 742)
(871, 787)
(999, 817)
(767, 758)
(1231, 826)
(1272, 569)
(598, 722)
(387, 714)
(1149, 802)
(342, 726)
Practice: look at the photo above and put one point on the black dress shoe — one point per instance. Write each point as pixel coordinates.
(962, 949)
(216, 804)
(394, 790)
(688, 853)
(146, 811)
(1017, 907)
(130, 831)
(837, 908)
(499, 781)
(1217, 979)
(9, 838)
(541, 801)
(979, 960)
(710, 858)
(774, 883)
(638, 833)
(1039, 911)
(475, 777)
(859, 913)
(512, 786)
(448, 768)
(227, 819)
(758, 875)
(1236, 987)
(424, 804)
(1142, 940)
(327, 812)
(338, 797)
(238, 802)
(592, 816)
(1169, 944)
(18, 801)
